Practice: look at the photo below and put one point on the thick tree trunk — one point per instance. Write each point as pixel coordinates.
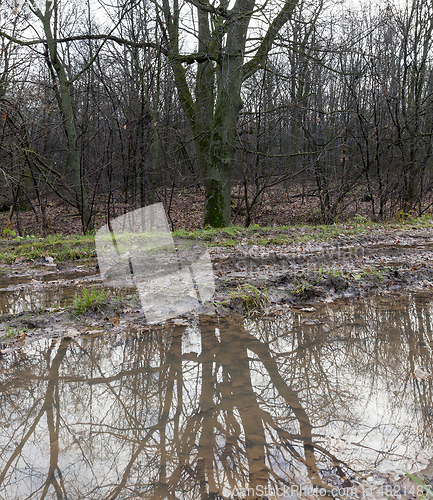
(217, 208)
(222, 35)
(219, 178)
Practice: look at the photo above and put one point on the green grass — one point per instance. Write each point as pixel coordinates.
(91, 300)
(57, 246)
(298, 234)
(303, 289)
(75, 247)
(424, 488)
(331, 271)
(13, 332)
(211, 233)
(252, 299)
(372, 271)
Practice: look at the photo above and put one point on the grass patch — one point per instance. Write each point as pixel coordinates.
(91, 300)
(251, 298)
(303, 289)
(298, 234)
(56, 246)
(211, 233)
(13, 332)
(375, 273)
(75, 247)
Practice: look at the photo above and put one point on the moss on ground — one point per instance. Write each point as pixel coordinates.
(63, 248)
(59, 247)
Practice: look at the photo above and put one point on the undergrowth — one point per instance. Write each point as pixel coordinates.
(252, 299)
(91, 300)
(75, 247)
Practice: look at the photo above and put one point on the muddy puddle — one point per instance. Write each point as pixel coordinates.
(325, 401)
(392, 253)
(34, 289)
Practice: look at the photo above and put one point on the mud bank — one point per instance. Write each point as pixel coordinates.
(249, 277)
(344, 267)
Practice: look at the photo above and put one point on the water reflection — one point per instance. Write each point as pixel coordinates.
(25, 293)
(17, 301)
(209, 410)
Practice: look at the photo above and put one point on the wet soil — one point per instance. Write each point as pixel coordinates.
(35, 297)
(344, 267)
(313, 290)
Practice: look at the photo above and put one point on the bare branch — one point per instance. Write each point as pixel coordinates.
(258, 60)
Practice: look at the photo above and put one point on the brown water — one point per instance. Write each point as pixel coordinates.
(30, 292)
(204, 411)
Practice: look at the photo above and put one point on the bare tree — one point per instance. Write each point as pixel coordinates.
(228, 53)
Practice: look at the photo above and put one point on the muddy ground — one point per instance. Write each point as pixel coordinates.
(303, 275)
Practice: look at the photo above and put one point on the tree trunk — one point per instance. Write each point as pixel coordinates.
(73, 163)
(222, 36)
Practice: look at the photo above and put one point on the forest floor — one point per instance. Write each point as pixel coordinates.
(268, 271)
(256, 270)
(278, 206)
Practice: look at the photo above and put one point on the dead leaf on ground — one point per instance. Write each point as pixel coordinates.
(421, 374)
(72, 332)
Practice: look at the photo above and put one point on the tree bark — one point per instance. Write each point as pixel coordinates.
(62, 88)
(221, 70)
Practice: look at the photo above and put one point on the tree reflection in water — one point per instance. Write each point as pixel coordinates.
(218, 407)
